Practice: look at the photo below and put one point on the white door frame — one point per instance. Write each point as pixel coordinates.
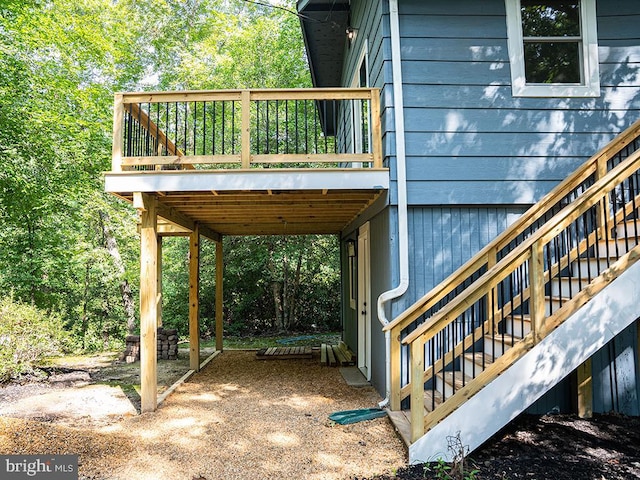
(364, 301)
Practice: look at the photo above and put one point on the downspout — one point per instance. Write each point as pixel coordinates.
(403, 235)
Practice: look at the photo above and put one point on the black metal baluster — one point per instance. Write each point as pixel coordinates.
(204, 128)
(224, 122)
(214, 121)
(233, 127)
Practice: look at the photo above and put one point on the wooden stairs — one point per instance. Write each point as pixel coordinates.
(528, 310)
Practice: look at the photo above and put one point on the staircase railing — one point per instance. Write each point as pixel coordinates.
(508, 282)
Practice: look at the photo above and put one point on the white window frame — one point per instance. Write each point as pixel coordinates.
(590, 85)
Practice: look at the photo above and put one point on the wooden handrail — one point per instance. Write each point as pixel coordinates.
(522, 252)
(243, 158)
(530, 250)
(483, 257)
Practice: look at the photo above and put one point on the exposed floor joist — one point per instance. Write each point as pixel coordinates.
(287, 202)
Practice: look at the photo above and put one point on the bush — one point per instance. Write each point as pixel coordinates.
(27, 335)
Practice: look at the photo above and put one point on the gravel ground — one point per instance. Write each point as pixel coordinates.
(239, 418)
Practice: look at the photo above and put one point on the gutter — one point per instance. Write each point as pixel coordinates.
(401, 168)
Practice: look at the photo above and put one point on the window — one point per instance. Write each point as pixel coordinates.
(553, 48)
(360, 109)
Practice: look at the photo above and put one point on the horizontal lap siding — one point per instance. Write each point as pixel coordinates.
(468, 140)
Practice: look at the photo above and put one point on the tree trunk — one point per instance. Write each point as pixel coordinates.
(85, 302)
(293, 291)
(276, 289)
(125, 290)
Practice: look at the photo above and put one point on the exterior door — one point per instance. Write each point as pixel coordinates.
(364, 302)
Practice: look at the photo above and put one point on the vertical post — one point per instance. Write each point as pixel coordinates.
(493, 293)
(219, 294)
(194, 300)
(118, 134)
(601, 213)
(245, 152)
(395, 362)
(536, 282)
(417, 389)
(159, 292)
(585, 390)
(148, 303)
(376, 128)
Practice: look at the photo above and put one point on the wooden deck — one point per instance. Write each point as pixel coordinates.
(284, 353)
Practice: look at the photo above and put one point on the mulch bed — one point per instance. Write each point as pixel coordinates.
(560, 447)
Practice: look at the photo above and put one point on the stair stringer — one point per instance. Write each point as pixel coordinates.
(591, 327)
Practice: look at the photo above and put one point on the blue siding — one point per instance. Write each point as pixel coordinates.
(468, 139)
(443, 238)
(477, 157)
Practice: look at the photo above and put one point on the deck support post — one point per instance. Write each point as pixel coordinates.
(219, 294)
(585, 390)
(417, 389)
(159, 291)
(148, 302)
(194, 300)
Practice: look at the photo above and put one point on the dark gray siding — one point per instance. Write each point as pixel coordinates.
(383, 248)
(349, 318)
(615, 375)
(469, 141)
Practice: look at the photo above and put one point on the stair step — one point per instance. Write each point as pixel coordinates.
(496, 345)
(553, 303)
(429, 397)
(517, 325)
(567, 285)
(589, 268)
(475, 363)
(451, 382)
(615, 248)
(628, 229)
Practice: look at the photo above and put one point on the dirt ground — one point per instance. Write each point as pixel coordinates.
(239, 418)
(245, 418)
(559, 447)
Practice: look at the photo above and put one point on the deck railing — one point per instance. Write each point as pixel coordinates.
(247, 128)
(508, 282)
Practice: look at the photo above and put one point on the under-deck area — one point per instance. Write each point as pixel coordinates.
(245, 162)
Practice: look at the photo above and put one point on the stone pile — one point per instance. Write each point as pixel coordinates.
(167, 345)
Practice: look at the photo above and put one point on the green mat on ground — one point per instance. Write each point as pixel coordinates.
(352, 416)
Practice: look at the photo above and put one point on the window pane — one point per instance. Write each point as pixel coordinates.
(550, 18)
(552, 62)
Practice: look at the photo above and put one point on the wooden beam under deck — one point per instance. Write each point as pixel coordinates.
(260, 212)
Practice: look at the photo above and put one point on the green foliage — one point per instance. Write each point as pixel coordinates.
(60, 63)
(27, 335)
(457, 469)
